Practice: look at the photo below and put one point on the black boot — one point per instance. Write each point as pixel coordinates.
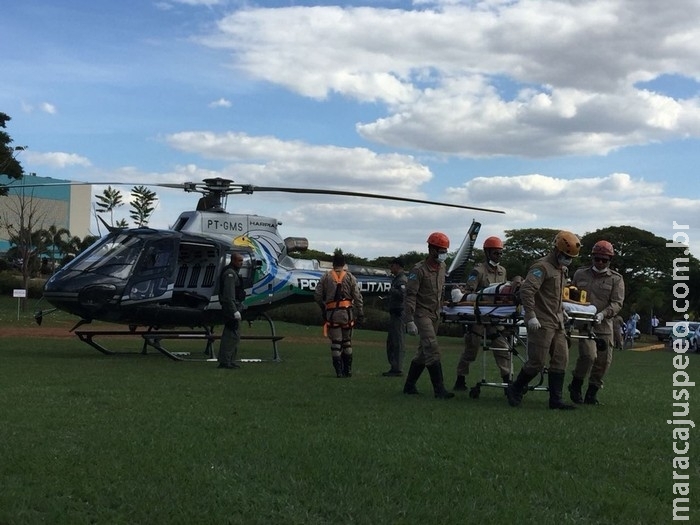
(338, 365)
(347, 365)
(591, 395)
(516, 390)
(556, 385)
(413, 374)
(575, 390)
(435, 371)
(460, 384)
(507, 380)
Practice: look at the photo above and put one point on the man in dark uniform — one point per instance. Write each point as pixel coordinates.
(231, 296)
(541, 295)
(422, 315)
(395, 345)
(338, 295)
(605, 289)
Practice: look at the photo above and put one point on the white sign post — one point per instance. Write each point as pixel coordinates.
(19, 293)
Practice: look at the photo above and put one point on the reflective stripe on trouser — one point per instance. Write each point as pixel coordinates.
(428, 351)
(340, 340)
(473, 342)
(592, 362)
(543, 343)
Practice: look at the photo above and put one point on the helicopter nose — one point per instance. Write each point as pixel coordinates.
(97, 295)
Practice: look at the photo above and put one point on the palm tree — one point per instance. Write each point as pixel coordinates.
(54, 240)
(107, 202)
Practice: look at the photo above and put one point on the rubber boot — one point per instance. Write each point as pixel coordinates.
(516, 390)
(460, 384)
(507, 380)
(591, 395)
(338, 365)
(575, 390)
(414, 373)
(556, 385)
(435, 371)
(347, 365)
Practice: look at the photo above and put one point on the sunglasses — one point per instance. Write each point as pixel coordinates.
(601, 260)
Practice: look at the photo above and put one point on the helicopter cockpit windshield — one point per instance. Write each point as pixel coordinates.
(113, 255)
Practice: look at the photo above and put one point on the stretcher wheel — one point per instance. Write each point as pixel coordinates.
(475, 392)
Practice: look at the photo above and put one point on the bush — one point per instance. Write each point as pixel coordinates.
(11, 280)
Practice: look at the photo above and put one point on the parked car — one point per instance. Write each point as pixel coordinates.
(663, 332)
(692, 334)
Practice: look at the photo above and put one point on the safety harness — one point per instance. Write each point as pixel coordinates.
(338, 303)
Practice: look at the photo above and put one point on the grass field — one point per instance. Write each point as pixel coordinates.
(87, 438)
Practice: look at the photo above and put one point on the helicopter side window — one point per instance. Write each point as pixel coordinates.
(154, 270)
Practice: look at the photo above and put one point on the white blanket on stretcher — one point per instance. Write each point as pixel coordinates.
(467, 310)
(579, 310)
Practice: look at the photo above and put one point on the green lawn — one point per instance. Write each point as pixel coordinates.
(87, 438)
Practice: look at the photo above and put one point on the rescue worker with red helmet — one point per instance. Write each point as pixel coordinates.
(605, 289)
(541, 296)
(422, 315)
(483, 275)
(338, 294)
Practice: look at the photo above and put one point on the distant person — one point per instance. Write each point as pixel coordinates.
(339, 297)
(541, 296)
(231, 297)
(395, 340)
(605, 289)
(630, 330)
(654, 324)
(422, 315)
(618, 332)
(485, 274)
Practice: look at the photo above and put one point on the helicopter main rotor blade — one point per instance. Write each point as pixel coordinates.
(251, 189)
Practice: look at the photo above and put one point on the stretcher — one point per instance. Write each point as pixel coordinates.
(496, 309)
(493, 308)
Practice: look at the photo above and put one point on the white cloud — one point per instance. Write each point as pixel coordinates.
(574, 67)
(47, 107)
(221, 103)
(55, 159)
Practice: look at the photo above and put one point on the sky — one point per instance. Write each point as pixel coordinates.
(574, 115)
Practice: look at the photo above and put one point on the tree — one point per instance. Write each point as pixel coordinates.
(142, 205)
(54, 240)
(107, 202)
(24, 220)
(9, 165)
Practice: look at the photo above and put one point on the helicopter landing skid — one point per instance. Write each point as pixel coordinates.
(153, 339)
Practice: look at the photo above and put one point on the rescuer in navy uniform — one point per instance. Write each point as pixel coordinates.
(231, 297)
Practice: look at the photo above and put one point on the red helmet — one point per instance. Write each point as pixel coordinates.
(567, 243)
(603, 248)
(439, 239)
(493, 242)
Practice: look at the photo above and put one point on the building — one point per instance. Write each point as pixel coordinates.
(53, 202)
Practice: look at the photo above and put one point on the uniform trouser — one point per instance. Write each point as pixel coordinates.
(341, 340)
(619, 341)
(230, 337)
(428, 352)
(543, 343)
(593, 362)
(395, 345)
(473, 340)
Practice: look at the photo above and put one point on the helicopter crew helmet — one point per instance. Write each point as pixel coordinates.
(567, 243)
(603, 248)
(493, 243)
(439, 240)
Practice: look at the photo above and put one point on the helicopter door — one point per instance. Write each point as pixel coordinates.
(153, 276)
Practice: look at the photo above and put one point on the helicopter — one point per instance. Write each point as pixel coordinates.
(164, 279)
